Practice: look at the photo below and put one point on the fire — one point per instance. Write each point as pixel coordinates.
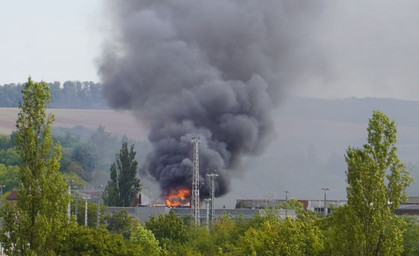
(178, 198)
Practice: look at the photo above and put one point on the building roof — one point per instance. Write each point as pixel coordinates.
(412, 200)
(12, 196)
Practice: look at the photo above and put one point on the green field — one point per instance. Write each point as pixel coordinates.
(113, 121)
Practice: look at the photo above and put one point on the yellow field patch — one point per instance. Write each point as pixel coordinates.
(113, 121)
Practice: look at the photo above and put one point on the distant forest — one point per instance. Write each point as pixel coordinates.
(72, 94)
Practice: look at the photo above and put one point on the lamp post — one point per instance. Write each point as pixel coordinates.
(75, 196)
(286, 203)
(69, 204)
(98, 208)
(325, 207)
(1, 194)
(85, 210)
(70, 183)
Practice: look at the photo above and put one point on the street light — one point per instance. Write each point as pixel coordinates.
(86, 210)
(325, 207)
(76, 200)
(286, 203)
(98, 208)
(70, 182)
(1, 195)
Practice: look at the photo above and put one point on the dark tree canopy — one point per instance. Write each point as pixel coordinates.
(124, 184)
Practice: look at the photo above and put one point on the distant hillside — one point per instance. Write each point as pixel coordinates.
(354, 110)
(312, 137)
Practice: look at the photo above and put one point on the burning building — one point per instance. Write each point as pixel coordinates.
(178, 198)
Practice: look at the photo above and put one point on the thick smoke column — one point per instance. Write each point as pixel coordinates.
(212, 69)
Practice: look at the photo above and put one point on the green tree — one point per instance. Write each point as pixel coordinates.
(145, 242)
(124, 184)
(281, 237)
(104, 144)
(10, 157)
(9, 177)
(78, 208)
(411, 237)
(168, 229)
(84, 154)
(35, 225)
(225, 233)
(81, 240)
(376, 180)
(122, 223)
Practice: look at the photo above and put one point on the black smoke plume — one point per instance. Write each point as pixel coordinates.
(212, 69)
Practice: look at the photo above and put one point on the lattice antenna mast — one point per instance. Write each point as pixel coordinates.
(212, 177)
(195, 183)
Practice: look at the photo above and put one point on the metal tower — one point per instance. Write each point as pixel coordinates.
(212, 176)
(195, 183)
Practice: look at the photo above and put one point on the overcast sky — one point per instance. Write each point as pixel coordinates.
(361, 48)
(50, 40)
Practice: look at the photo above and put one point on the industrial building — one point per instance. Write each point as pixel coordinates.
(145, 212)
(312, 205)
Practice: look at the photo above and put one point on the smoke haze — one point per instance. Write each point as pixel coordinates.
(212, 69)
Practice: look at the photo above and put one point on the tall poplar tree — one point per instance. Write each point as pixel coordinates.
(124, 184)
(35, 224)
(377, 180)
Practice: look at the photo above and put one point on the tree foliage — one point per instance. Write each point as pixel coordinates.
(411, 237)
(122, 223)
(72, 94)
(168, 229)
(38, 219)
(9, 177)
(78, 211)
(144, 241)
(81, 240)
(123, 185)
(376, 180)
(282, 237)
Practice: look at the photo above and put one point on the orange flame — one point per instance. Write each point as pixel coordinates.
(178, 198)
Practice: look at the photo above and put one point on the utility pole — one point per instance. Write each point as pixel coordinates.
(325, 206)
(76, 207)
(85, 213)
(98, 209)
(69, 204)
(212, 177)
(286, 203)
(195, 183)
(76, 199)
(1, 195)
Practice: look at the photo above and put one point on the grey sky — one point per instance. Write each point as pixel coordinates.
(48, 39)
(366, 48)
(370, 49)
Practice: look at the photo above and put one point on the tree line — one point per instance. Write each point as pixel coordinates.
(71, 94)
(86, 155)
(39, 224)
